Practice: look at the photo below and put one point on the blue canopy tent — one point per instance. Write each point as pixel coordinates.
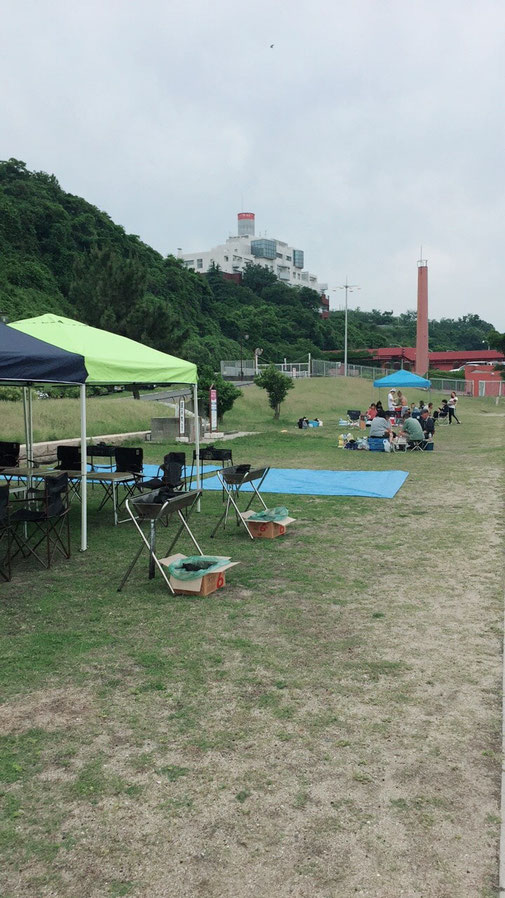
(403, 379)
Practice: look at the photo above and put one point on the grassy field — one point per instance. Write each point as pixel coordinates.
(58, 419)
(327, 726)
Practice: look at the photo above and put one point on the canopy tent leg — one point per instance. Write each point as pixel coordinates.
(29, 447)
(84, 484)
(25, 418)
(197, 439)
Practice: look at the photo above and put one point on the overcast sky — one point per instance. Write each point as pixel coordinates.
(370, 128)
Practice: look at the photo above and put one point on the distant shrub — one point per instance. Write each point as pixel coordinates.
(10, 394)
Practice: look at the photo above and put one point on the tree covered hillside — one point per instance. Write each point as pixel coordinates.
(60, 254)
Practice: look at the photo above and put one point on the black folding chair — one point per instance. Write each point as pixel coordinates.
(179, 457)
(42, 518)
(353, 414)
(69, 459)
(128, 461)
(9, 454)
(159, 506)
(169, 475)
(5, 534)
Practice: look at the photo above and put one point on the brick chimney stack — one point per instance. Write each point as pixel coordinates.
(422, 358)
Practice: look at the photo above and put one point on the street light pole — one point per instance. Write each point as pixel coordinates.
(348, 288)
(242, 338)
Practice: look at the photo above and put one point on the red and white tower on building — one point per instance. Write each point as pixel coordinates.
(422, 358)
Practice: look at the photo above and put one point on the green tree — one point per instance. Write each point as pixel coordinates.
(497, 341)
(277, 385)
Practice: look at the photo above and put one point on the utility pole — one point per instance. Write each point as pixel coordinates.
(348, 289)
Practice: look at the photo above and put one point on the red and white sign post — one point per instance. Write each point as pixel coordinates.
(213, 409)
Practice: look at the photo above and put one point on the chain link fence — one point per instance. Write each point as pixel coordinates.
(245, 370)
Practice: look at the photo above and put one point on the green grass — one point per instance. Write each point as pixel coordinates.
(59, 419)
(332, 714)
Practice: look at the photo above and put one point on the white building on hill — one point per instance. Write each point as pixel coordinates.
(286, 262)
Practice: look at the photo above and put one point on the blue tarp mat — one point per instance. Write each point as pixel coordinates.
(293, 481)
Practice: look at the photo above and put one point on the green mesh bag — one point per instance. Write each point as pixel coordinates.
(194, 566)
(270, 514)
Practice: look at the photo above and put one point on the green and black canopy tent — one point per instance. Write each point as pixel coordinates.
(97, 357)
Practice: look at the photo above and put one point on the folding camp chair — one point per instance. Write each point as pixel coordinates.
(129, 461)
(69, 459)
(233, 479)
(169, 475)
(179, 457)
(9, 454)
(354, 415)
(416, 445)
(5, 534)
(159, 505)
(42, 517)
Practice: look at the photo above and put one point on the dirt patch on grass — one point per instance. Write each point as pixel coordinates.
(50, 709)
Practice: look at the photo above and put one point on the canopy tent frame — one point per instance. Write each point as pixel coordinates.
(54, 340)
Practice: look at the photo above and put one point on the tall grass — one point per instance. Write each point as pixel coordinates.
(58, 419)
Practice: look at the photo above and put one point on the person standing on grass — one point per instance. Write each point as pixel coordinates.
(401, 400)
(452, 408)
(392, 401)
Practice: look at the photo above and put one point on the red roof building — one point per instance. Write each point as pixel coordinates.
(405, 356)
(485, 380)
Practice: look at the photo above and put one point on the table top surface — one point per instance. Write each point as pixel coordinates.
(41, 473)
(25, 472)
(108, 476)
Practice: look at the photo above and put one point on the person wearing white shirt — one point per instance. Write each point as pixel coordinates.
(452, 408)
(392, 401)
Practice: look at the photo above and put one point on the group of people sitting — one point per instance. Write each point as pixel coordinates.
(305, 422)
(398, 407)
(415, 424)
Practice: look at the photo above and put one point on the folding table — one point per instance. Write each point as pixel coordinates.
(109, 483)
(233, 479)
(144, 509)
(24, 474)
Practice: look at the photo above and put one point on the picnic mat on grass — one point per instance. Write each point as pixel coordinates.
(294, 481)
